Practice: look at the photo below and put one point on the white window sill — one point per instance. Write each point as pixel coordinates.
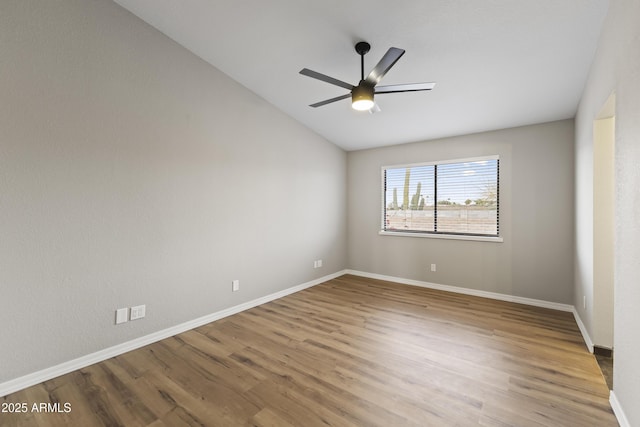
(443, 236)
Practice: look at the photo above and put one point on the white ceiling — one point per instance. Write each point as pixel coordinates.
(497, 63)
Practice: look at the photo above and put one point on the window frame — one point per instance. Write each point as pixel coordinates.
(438, 234)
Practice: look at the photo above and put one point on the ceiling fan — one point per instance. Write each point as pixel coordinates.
(363, 94)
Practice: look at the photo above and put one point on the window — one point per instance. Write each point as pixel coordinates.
(449, 198)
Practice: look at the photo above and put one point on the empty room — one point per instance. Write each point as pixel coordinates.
(245, 213)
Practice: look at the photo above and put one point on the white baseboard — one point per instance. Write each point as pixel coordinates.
(467, 291)
(583, 331)
(28, 380)
(617, 410)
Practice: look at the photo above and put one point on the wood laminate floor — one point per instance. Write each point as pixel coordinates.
(348, 352)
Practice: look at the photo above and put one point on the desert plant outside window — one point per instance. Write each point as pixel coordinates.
(457, 198)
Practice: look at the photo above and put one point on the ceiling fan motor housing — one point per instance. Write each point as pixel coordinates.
(362, 95)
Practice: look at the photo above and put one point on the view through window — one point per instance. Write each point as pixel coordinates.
(458, 197)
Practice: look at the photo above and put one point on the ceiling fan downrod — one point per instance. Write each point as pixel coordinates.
(362, 48)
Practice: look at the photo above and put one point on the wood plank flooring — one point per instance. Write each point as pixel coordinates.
(348, 352)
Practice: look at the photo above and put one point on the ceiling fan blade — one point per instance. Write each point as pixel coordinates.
(410, 87)
(329, 101)
(375, 109)
(385, 64)
(315, 75)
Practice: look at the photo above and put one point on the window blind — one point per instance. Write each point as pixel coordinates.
(448, 197)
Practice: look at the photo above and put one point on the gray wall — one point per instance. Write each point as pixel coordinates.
(536, 216)
(616, 68)
(131, 172)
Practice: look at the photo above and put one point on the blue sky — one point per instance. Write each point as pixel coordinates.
(457, 182)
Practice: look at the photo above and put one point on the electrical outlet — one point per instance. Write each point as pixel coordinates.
(235, 285)
(317, 263)
(138, 312)
(122, 315)
(433, 267)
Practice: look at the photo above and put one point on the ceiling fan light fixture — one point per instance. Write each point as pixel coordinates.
(362, 97)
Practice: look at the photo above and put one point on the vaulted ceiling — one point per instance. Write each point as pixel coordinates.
(497, 63)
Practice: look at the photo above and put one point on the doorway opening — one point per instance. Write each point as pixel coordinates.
(604, 236)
